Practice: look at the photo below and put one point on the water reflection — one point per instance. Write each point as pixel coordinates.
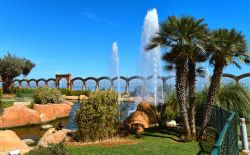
(34, 132)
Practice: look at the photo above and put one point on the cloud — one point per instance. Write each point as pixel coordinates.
(93, 17)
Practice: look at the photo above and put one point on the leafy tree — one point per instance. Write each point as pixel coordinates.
(186, 37)
(226, 47)
(12, 66)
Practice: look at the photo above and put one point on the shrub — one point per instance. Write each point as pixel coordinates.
(68, 92)
(52, 149)
(25, 92)
(43, 95)
(168, 110)
(96, 118)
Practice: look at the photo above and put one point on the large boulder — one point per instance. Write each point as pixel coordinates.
(54, 137)
(9, 141)
(144, 116)
(50, 112)
(19, 115)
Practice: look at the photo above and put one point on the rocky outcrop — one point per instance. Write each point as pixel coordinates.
(19, 115)
(53, 136)
(50, 112)
(9, 141)
(81, 97)
(144, 116)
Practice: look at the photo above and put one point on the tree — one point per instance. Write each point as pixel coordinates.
(226, 47)
(12, 66)
(185, 36)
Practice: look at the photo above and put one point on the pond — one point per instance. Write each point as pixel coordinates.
(35, 132)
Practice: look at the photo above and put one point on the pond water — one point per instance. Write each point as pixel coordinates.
(35, 132)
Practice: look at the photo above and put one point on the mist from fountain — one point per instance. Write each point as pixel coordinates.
(149, 62)
(116, 64)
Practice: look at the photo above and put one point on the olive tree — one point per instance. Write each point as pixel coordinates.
(11, 67)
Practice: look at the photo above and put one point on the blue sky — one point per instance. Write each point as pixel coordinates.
(76, 36)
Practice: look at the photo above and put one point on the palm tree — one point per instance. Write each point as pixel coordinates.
(227, 47)
(181, 35)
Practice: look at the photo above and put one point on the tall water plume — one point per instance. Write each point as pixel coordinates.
(116, 62)
(149, 63)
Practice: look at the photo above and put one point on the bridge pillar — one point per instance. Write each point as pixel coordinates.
(97, 86)
(83, 86)
(127, 88)
(111, 86)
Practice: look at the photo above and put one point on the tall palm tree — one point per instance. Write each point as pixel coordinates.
(227, 47)
(181, 35)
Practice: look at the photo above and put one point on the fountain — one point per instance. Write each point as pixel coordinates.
(116, 63)
(149, 63)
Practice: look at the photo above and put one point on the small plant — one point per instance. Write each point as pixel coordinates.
(68, 92)
(25, 92)
(43, 95)
(96, 118)
(52, 149)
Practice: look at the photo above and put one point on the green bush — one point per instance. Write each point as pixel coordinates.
(169, 110)
(25, 92)
(43, 95)
(52, 149)
(68, 92)
(1, 93)
(96, 118)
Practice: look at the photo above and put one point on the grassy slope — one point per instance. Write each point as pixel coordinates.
(153, 143)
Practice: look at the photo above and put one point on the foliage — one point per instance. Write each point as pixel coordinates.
(68, 92)
(96, 118)
(43, 95)
(1, 93)
(186, 39)
(52, 149)
(24, 92)
(12, 66)
(235, 97)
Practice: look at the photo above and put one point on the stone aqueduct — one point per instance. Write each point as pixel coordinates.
(127, 80)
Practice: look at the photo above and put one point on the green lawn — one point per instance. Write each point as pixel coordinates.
(151, 142)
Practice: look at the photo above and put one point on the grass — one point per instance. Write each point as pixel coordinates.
(150, 142)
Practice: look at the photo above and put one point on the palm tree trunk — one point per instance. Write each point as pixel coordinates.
(181, 94)
(191, 93)
(212, 92)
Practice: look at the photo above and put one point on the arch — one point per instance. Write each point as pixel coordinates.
(62, 83)
(104, 83)
(90, 84)
(91, 78)
(135, 86)
(104, 78)
(51, 83)
(136, 77)
(123, 84)
(24, 83)
(41, 83)
(121, 77)
(77, 78)
(77, 84)
(16, 83)
(32, 84)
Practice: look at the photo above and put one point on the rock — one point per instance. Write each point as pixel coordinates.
(71, 97)
(19, 115)
(9, 141)
(171, 124)
(49, 112)
(22, 103)
(28, 141)
(145, 115)
(68, 102)
(46, 127)
(53, 136)
(83, 97)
